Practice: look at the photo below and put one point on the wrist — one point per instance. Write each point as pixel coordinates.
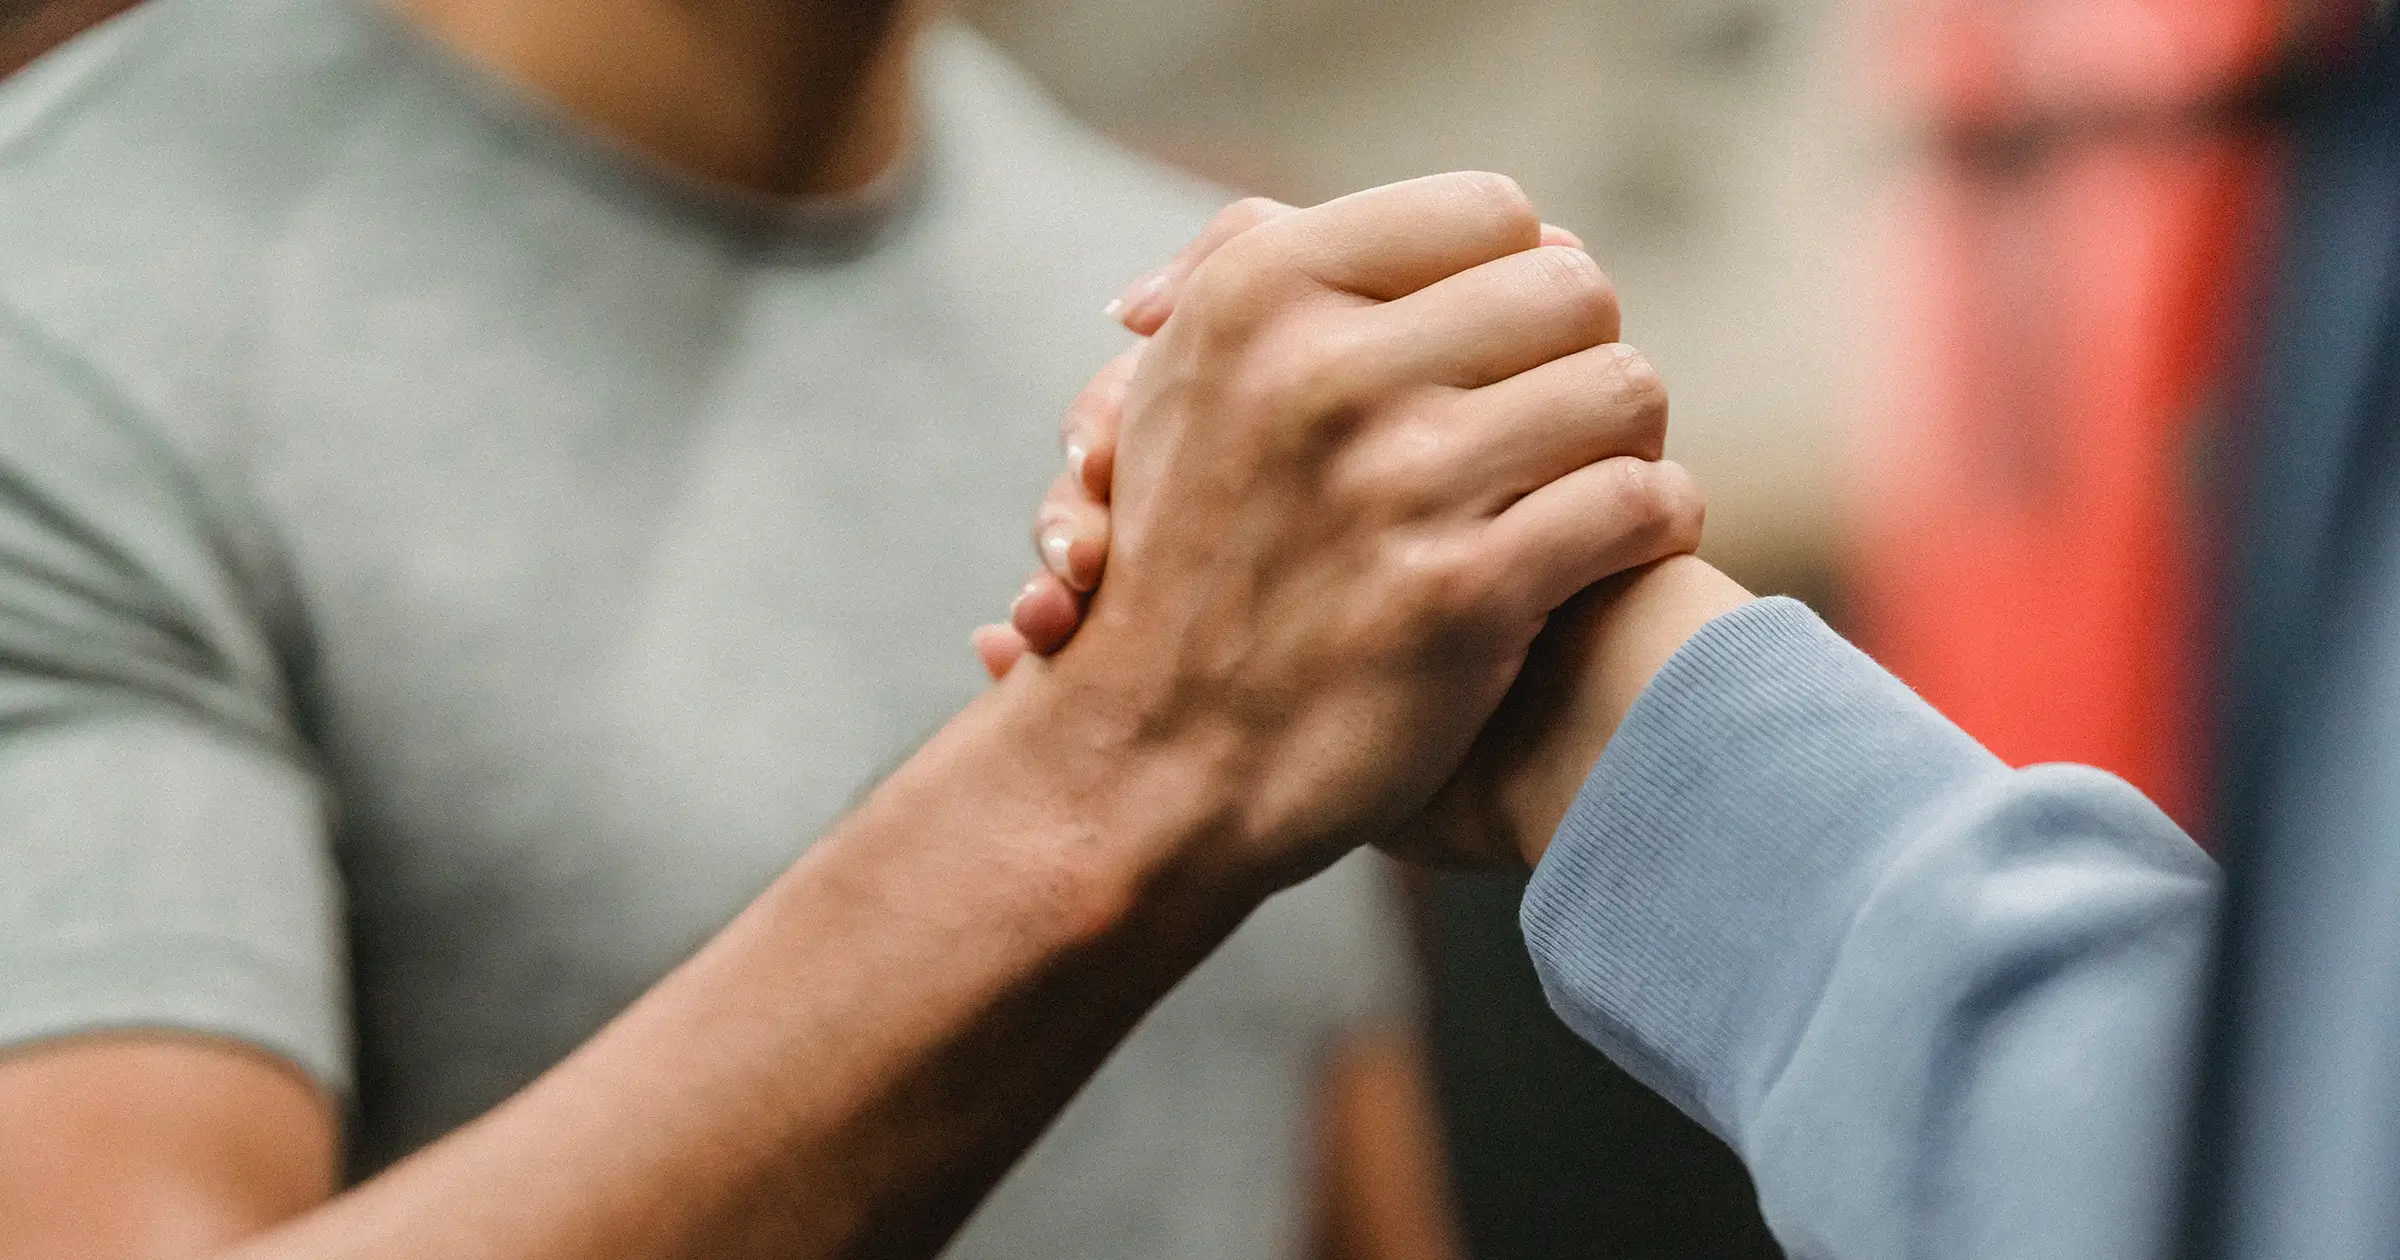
(1132, 825)
(1612, 642)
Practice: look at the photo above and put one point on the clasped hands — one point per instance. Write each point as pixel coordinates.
(1364, 455)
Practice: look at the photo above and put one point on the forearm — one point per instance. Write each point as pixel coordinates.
(1586, 670)
(863, 1052)
(1934, 1002)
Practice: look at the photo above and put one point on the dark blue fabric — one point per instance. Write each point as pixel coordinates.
(1943, 1008)
(2298, 1150)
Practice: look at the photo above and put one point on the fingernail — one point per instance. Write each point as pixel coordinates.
(1114, 310)
(1057, 540)
(1077, 452)
(1144, 287)
(1023, 593)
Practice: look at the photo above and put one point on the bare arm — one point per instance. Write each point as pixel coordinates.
(1591, 662)
(849, 1066)
(1799, 903)
(852, 1063)
(1590, 665)
(1593, 659)
(151, 1144)
(845, 1070)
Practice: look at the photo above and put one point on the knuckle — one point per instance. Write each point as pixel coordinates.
(1660, 503)
(1686, 505)
(1441, 585)
(1315, 369)
(1640, 492)
(1239, 280)
(1216, 288)
(1247, 213)
(1642, 393)
(1643, 386)
(1579, 287)
(1410, 471)
(1499, 196)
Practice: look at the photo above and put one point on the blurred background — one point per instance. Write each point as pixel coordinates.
(1712, 152)
(1950, 296)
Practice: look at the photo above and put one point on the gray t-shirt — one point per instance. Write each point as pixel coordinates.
(448, 566)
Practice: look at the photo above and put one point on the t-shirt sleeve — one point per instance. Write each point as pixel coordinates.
(164, 838)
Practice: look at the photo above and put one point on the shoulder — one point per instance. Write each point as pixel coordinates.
(181, 98)
(158, 170)
(151, 174)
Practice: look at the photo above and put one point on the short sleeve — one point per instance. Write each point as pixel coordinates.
(164, 840)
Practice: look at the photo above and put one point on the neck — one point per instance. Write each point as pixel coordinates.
(29, 30)
(787, 98)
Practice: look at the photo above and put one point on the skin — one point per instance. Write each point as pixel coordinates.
(165, 1144)
(1378, 1140)
(1584, 673)
(27, 30)
(144, 1145)
(783, 98)
(1352, 482)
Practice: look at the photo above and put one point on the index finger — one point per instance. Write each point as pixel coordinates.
(1386, 243)
(1150, 298)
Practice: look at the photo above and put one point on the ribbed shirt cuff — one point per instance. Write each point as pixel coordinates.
(1695, 897)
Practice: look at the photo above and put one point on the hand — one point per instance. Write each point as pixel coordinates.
(1071, 528)
(1590, 664)
(1071, 532)
(1372, 448)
